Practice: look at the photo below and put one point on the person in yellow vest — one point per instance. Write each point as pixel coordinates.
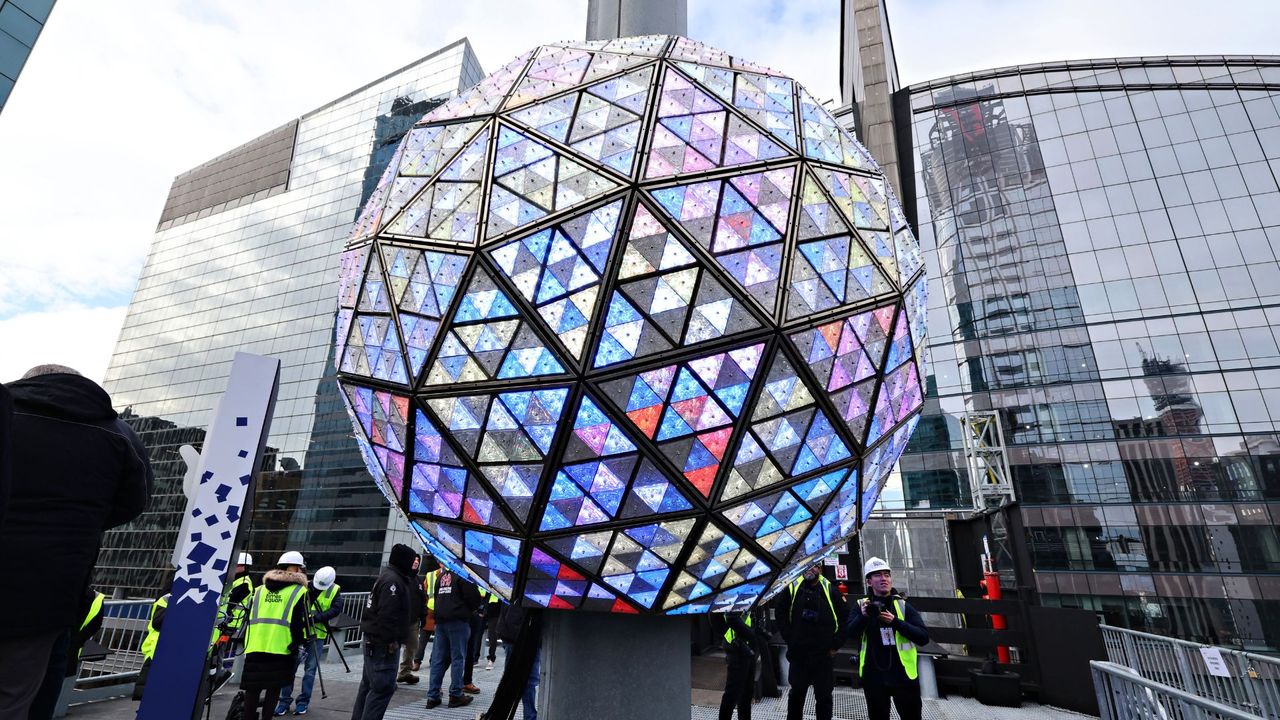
(810, 616)
(275, 628)
(155, 621)
(430, 574)
(64, 662)
(889, 631)
(740, 653)
(238, 597)
(323, 606)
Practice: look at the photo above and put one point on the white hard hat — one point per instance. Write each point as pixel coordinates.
(325, 578)
(874, 564)
(293, 557)
(245, 559)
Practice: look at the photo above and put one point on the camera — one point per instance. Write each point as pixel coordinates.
(875, 607)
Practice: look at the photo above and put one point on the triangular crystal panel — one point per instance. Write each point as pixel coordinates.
(488, 340)
(689, 409)
(741, 221)
(559, 271)
(531, 180)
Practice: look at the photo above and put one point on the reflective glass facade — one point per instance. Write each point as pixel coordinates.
(1101, 240)
(245, 260)
(20, 24)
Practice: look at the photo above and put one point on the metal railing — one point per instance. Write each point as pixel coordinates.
(124, 624)
(1246, 681)
(1125, 695)
(353, 607)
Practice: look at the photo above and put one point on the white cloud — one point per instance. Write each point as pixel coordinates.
(74, 336)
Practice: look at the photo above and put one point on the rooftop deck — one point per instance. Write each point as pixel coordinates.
(409, 702)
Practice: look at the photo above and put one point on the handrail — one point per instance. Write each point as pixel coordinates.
(1125, 695)
(1246, 681)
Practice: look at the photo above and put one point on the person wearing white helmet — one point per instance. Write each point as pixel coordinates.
(890, 632)
(324, 606)
(292, 562)
(238, 597)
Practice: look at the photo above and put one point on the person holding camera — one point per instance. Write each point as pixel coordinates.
(808, 616)
(891, 631)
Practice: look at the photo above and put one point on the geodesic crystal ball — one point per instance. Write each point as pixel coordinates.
(631, 326)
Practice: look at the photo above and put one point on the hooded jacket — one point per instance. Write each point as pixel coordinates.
(456, 599)
(77, 471)
(386, 611)
(266, 670)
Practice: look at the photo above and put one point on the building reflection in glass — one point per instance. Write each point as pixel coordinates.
(1102, 240)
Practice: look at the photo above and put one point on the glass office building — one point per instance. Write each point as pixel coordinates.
(245, 259)
(1102, 241)
(20, 24)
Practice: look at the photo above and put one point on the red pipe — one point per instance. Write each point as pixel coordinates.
(991, 583)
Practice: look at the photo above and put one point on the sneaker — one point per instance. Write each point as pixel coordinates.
(300, 710)
(460, 700)
(470, 688)
(408, 679)
(489, 666)
(282, 709)
(433, 704)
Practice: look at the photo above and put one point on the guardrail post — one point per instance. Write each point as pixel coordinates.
(1130, 652)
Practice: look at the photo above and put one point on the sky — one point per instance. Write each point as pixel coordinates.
(115, 101)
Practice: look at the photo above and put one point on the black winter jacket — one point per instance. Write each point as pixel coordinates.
(267, 670)
(808, 625)
(386, 611)
(78, 470)
(456, 599)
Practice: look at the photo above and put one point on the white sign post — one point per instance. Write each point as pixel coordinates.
(230, 459)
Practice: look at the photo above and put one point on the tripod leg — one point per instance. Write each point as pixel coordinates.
(338, 646)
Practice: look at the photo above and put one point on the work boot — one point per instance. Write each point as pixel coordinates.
(433, 704)
(408, 679)
(460, 700)
(471, 688)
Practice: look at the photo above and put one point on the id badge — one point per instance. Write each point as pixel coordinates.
(886, 636)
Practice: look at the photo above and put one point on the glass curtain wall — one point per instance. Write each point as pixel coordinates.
(1101, 239)
(257, 272)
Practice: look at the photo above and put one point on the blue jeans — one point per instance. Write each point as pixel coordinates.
(378, 683)
(311, 653)
(530, 698)
(449, 646)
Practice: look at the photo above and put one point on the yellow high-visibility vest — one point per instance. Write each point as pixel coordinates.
(907, 652)
(729, 634)
(323, 603)
(153, 636)
(235, 616)
(826, 593)
(268, 630)
(429, 584)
